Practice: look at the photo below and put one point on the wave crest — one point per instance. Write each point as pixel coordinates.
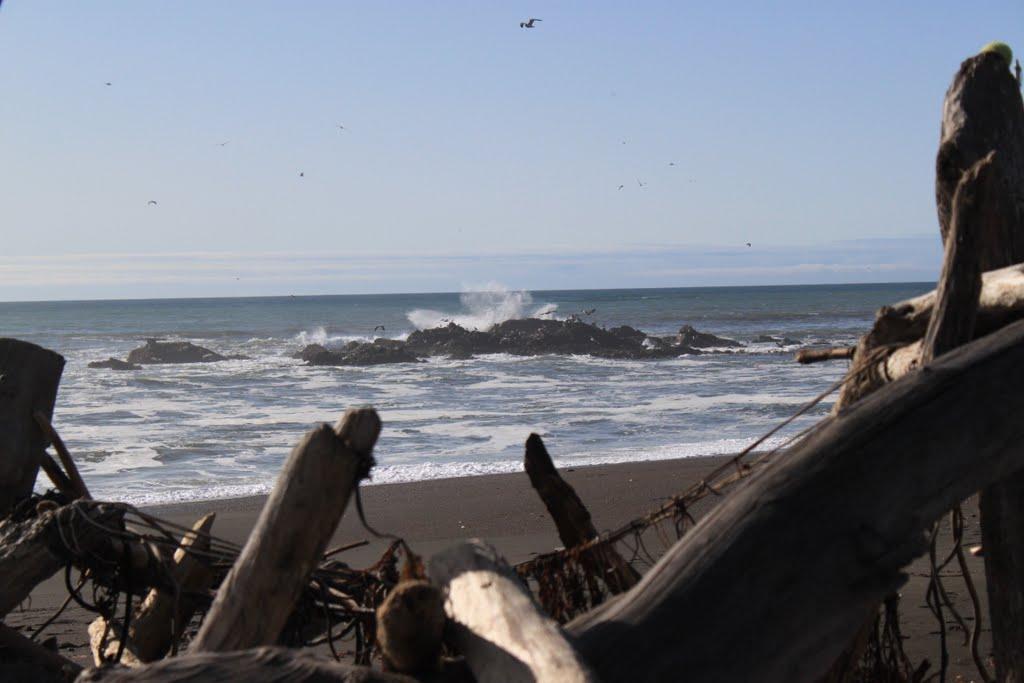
(484, 307)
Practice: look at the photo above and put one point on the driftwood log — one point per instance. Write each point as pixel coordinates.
(260, 665)
(983, 112)
(571, 517)
(808, 356)
(161, 617)
(495, 623)
(33, 550)
(258, 595)
(29, 376)
(792, 563)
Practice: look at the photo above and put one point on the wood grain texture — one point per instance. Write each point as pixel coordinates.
(29, 376)
(495, 623)
(256, 598)
(828, 529)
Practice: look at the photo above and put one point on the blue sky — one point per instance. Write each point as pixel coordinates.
(474, 150)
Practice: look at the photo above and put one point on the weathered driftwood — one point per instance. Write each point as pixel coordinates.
(956, 296)
(410, 626)
(33, 550)
(260, 665)
(571, 517)
(21, 658)
(73, 475)
(163, 614)
(983, 112)
(807, 356)
(256, 598)
(29, 376)
(495, 623)
(793, 563)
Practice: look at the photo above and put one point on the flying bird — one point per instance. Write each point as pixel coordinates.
(341, 127)
(671, 163)
(221, 144)
(302, 174)
(748, 244)
(621, 186)
(151, 202)
(379, 327)
(639, 183)
(528, 24)
(590, 311)
(108, 83)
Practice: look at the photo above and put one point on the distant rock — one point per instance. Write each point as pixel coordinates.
(377, 352)
(158, 352)
(780, 341)
(688, 336)
(114, 364)
(521, 337)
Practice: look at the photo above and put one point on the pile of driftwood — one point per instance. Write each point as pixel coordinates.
(777, 582)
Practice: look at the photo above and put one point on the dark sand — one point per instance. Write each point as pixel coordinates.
(505, 511)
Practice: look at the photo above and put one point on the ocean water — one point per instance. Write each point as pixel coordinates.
(198, 431)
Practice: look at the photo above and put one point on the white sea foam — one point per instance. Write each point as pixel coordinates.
(484, 307)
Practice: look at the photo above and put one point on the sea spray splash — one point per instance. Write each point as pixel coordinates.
(484, 307)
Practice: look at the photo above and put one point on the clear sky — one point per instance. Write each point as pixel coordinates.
(473, 150)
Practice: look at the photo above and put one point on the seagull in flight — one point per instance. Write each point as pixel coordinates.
(590, 311)
(748, 244)
(528, 24)
(221, 144)
(151, 202)
(379, 327)
(640, 184)
(671, 163)
(621, 186)
(341, 127)
(302, 174)
(109, 83)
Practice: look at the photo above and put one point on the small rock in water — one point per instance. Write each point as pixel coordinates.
(688, 336)
(158, 352)
(114, 364)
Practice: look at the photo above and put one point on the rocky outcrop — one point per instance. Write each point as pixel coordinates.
(780, 341)
(114, 364)
(160, 352)
(522, 337)
(688, 336)
(378, 352)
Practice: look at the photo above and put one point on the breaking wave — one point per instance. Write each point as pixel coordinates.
(483, 308)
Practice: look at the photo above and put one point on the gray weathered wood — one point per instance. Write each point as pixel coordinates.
(29, 376)
(259, 593)
(161, 617)
(792, 563)
(34, 550)
(956, 296)
(983, 112)
(571, 517)
(260, 665)
(495, 622)
(73, 475)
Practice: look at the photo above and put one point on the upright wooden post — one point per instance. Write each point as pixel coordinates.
(983, 112)
(256, 598)
(29, 376)
(571, 517)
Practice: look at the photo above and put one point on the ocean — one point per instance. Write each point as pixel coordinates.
(200, 431)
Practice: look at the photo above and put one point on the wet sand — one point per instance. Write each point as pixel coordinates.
(505, 511)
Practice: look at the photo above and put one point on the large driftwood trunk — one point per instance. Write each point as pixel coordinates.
(792, 564)
(256, 598)
(495, 623)
(571, 517)
(24, 659)
(29, 376)
(983, 112)
(33, 550)
(261, 665)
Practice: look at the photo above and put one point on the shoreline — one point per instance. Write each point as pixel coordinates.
(504, 510)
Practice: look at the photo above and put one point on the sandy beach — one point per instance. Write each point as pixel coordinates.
(504, 510)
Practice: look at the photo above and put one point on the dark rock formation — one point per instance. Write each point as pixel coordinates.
(522, 337)
(158, 352)
(114, 364)
(377, 352)
(781, 341)
(702, 340)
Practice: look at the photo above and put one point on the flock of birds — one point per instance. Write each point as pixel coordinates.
(528, 24)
